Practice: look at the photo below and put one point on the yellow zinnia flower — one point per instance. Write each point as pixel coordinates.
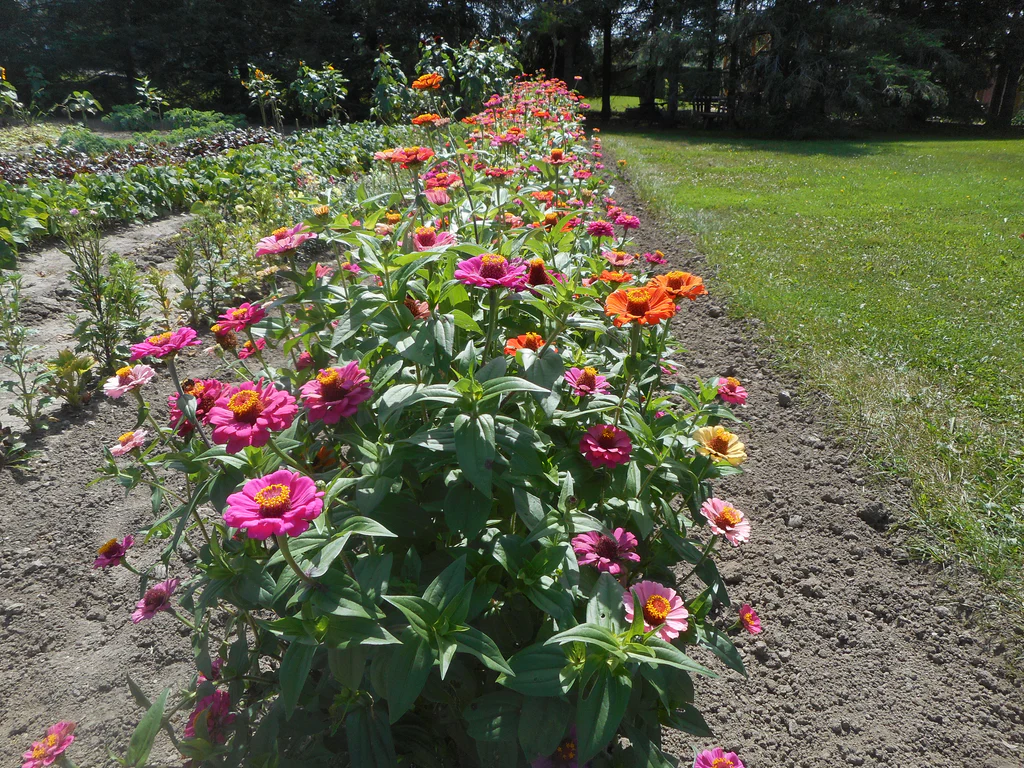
(720, 444)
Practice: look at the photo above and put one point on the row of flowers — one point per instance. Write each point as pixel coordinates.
(456, 497)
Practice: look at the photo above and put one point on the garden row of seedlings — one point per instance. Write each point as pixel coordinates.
(466, 522)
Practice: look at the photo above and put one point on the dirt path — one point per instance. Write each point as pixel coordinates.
(864, 660)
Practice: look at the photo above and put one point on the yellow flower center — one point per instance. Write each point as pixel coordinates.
(126, 438)
(274, 500)
(393, 218)
(566, 751)
(123, 374)
(109, 548)
(245, 405)
(279, 232)
(237, 313)
(734, 382)
(321, 210)
(492, 266)
(532, 341)
(656, 610)
(39, 751)
(638, 302)
(723, 762)
(728, 517)
(588, 378)
(425, 232)
(720, 443)
(607, 435)
(676, 280)
(163, 338)
(537, 263)
(556, 154)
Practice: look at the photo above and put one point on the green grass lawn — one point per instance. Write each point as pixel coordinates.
(890, 275)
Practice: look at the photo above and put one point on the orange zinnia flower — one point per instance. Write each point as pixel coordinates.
(646, 306)
(615, 277)
(680, 285)
(429, 82)
(525, 341)
(412, 156)
(428, 118)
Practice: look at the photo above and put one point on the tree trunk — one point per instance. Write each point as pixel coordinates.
(734, 62)
(606, 66)
(1004, 95)
(673, 68)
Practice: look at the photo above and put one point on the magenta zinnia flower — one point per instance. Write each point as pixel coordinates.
(58, 738)
(600, 228)
(284, 240)
(586, 381)
(606, 553)
(247, 414)
(725, 520)
(336, 393)
(205, 391)
(156, 599)
(731, 391)
(656, 258)
(281, 503)
(165, 344)
(426, 238)
(605, 445)
(128, 442)
(126, 379)
(248, 349)
(662, 608)
(113, 552)
(749, 619)
(241, 317)
(489, 270)
(628, 222)
(217, 706)
(716, 758)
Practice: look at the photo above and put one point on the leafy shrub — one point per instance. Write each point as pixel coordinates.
(194, 118)
(129, 117)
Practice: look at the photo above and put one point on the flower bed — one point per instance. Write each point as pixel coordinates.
(464, 523)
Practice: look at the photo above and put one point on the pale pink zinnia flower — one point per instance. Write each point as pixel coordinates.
(725, 520)
(247, 414)
(586, 381)
(128, 442)
(156, 599)
(43, 753)
(489, 270)
(604, 445)
(628, 222)
(218, 717)
(731, 391)
(165, 344)
(126, 379)
(618, 258)
(281, 503)
(438, 196)
(323, 270)
(241, 317)
(662, 608)
(426, 238)
(606, 553)
(717, 758)
(749, 619)
(113, 552)
(336, 393)
(600, 228)
(284, 240)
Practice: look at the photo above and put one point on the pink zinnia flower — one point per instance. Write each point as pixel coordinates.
(731, 391)
(215, 667)
(725, 520)
(305, 361)
(242, 317)
(113, 552)
(247, 414)
(606, 553)
(426, 238)
(661, 607)
(284, 240)
(348, 266)
(604, 445)
(58, 738)
(126, 379)
(420, 309)
(165, 344)
(205, 391)
(323, 270)
(281, 503)
(586, 381)
(489, 270)
(749, 619)
(600, 228)
(336, 393)
(628, 222)
(128, 442)
(156, 599)
(217, 707)
(248, 349)
(618, 258)
(438, 196)
(716, 758)
(656, 258)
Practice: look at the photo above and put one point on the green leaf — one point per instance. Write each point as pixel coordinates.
(422, 615)
(538, 671)
(474, 447)
(295, 666)
(542, 725)
(407, 673)
(605, 606)
(466, 510)
(689, 720)
(370, 743)
(668, 654)
(591, 634)
(553, 599)
(494, 716)
(141, 742)
(721, 646)
(599, 711)
(447, 585)
(470, 640)
(505, 384)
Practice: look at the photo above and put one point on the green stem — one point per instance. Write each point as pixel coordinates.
(703, 556)
(286, 458)
(181, 393)
(282, 543)
(492, 321)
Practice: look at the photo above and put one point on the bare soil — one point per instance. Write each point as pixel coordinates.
(866, 659)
